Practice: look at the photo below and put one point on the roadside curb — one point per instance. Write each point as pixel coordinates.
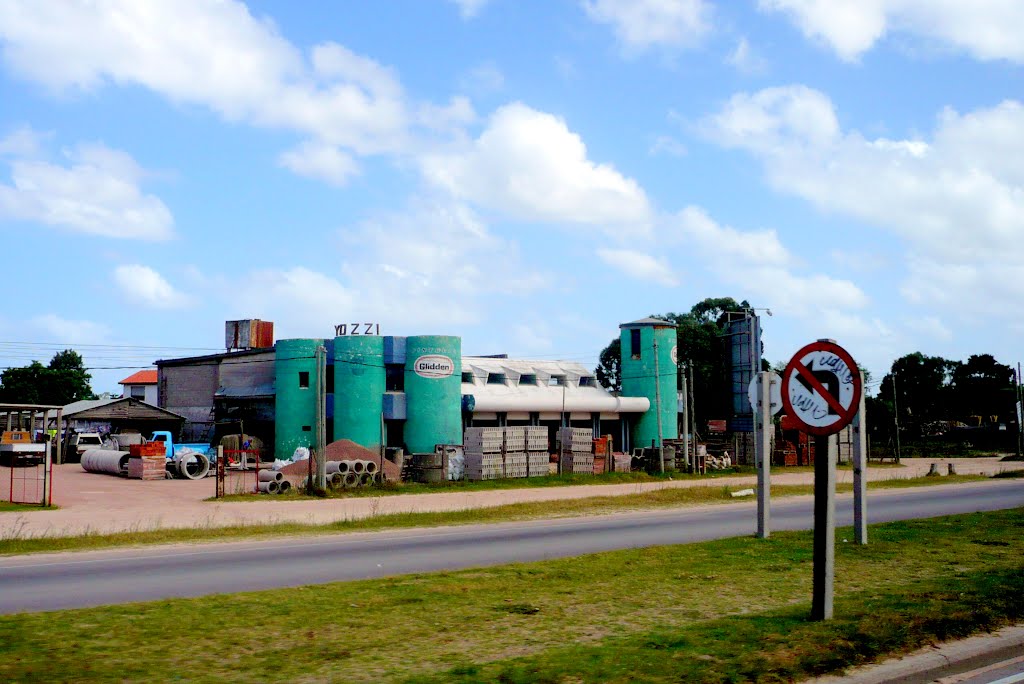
(929, 663)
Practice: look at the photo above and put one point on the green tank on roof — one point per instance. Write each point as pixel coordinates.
(295, 387)
(642, 341)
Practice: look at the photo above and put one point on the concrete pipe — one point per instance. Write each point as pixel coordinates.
(371, 466)
(379, 477)
(105, 461)
(283, 486)
(271, 487)
(192, 466)
(344, 466)
(350, 479)
(270, 476)
(366, 479)
(336, 479)
(333, 466)
(357, 467)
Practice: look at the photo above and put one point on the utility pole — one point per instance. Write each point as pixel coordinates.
(321, 418)
(657, 403)
(895, 415)
(686, 424)
(860, 466)
(1020, 414)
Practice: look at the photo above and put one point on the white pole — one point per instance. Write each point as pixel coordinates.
(657, 402)
(860, 470)
(762, 451)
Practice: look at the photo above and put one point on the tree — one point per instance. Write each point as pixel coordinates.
(63, 381)
(609, 368)
(983, 387)
(922, 390)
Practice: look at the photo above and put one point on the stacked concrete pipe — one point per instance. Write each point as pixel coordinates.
(105, 461)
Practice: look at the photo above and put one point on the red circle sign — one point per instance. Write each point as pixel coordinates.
(821, 388)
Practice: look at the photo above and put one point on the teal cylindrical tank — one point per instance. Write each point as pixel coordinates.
(641, 376)
(433, 392)
(359, 384)
(295, 389)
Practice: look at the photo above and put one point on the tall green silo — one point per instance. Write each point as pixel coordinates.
(359, 384)
(295, 403)
(433, 392)
(642, 377)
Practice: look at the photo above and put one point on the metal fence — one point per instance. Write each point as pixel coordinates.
(27, 479)
(238, 471)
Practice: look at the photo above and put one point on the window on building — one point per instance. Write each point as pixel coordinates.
(556, 381)
(634, 343)
(528, 379)
(496, 379)
(138, 392)
(307, 428)
(587, 381)
(330, 379)
(467, 376)
(394, 377)
(304, 379)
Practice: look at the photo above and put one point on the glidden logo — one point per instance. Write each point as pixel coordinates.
(433, 366)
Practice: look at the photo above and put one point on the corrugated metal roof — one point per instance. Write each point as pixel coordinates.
(103, 408)
(143, 377)
(255, 392)
(649, 322)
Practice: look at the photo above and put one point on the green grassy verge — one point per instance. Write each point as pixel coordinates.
(666, 498)
(725, 611)
(7, 507)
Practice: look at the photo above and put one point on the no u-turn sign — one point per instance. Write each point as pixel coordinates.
(821, 388)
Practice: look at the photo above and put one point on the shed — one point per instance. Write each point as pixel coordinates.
(120, 415)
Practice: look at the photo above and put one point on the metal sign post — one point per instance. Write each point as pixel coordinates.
(821, 389)
(860, 472)
(765, 397)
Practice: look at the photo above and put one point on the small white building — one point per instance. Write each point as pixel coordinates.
(141, 386)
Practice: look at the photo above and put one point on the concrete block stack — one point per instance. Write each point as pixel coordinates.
(576, 449)
(496, 452)
(537, 450)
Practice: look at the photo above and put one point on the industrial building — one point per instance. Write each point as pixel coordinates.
(414, 391)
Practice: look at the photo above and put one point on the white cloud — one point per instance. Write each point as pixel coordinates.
(68, 330)
(320, 161)
(143, 285)
(666, 144)
(215, 55)
(483, 78)
(985, 29)
(643, 24)
(298, 300)
(529, 165)
(470, 8)
(761, 247)
(639, 265)
(97, 194)
(956, 198)
(959, 196)
(745, 60)
(21, 142)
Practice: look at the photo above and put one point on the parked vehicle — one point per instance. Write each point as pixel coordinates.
(190, 461)
(80, 442)
(17, 447)
(173, 449)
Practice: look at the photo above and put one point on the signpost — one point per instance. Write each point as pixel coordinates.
(765, 394)
(821, 390)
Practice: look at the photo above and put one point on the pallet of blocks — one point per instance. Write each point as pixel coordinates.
(576, 450)
(495, 452)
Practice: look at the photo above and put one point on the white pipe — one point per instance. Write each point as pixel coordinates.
(271, 487)
(344, 466)
(105, 461)
(194, 466)
(357, 466)
(283, 486)
(336, 479)
(351, 479)
(366, 479)
(333, 467)
(271, 476)
(371, 466)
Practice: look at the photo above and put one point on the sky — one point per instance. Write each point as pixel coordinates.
(524, 174)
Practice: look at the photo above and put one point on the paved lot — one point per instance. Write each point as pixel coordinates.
(92, 502)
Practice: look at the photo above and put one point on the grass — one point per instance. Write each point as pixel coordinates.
(665, 498)
(724, 611)
(7, 507)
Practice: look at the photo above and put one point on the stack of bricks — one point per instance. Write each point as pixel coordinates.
(147, 461)
(576, 449)
(496, 452)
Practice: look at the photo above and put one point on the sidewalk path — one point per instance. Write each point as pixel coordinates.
(93, 503)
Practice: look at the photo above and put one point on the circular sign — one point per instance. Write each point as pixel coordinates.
(433, 366)
(774, 392)
(821, 388)
(673, 354)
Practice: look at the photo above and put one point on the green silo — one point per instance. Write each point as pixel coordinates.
(433, 392)
(359, 384)
(295, 387)
(641, 376)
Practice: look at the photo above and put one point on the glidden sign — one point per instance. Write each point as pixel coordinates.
(434, 366)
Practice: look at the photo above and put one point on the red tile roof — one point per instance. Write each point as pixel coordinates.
(144, 377)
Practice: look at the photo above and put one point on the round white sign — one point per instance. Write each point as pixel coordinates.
(673, 354)
(433, 366)
(774, 392)
(821, 387)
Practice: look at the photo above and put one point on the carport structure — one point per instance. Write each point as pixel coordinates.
(28, 482)
(122, 414)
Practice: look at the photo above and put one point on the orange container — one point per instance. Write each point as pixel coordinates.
(148, 449)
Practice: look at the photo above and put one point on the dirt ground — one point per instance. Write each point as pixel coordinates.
(90, 502)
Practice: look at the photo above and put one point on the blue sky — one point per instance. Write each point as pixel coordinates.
(524, 174)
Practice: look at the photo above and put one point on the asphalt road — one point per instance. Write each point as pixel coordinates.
(59, 581)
